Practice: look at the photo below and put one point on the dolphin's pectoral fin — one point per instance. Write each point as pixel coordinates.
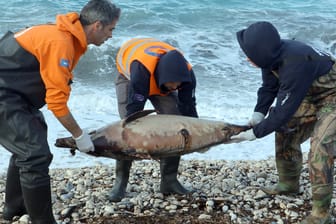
(175, 149)
(136, 115)
(186, 138)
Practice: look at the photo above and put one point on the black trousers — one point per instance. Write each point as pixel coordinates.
(23, 132)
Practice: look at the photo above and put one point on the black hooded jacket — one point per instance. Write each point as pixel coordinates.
(172, 67)
(288, 68)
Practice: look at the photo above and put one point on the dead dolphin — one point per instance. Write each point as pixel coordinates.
(144, 136)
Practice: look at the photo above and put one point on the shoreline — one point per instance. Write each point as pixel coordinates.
(224, 190)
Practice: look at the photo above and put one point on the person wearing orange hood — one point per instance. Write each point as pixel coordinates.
(36, 69)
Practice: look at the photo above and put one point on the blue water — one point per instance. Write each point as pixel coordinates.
(205, 31)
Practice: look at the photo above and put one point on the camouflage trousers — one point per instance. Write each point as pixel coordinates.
(315, 119)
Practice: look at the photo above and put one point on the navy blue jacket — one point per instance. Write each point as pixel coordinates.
(296, 64)
(172, 69)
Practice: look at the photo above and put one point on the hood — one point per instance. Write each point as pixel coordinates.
(172, 67)
(70, 22)
(261, 43)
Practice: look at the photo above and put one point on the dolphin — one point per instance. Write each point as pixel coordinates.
(153, 136)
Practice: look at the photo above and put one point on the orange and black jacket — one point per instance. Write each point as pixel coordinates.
(37, 62)
(148, 64)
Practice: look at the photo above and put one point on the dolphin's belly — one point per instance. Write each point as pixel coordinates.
(170, 132)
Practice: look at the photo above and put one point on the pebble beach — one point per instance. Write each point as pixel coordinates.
(226, 179)
(226, 189)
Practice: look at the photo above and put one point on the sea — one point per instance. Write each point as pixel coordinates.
(205, 31)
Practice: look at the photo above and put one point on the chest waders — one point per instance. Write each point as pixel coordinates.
(14, 204)
(23, 133)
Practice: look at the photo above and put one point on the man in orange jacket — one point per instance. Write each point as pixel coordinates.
(36, 69)
(156, 71)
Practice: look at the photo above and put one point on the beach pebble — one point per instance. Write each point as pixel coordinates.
(204, 217)
(228, 188)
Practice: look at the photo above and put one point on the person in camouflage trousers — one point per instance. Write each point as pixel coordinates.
(303, 82)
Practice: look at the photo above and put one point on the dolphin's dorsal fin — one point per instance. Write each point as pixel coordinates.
(136, 115)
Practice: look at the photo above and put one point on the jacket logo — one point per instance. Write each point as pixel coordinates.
(150, 51)
(64, 63)
(138, 97)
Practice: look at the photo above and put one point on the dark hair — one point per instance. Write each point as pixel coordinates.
(99, 10)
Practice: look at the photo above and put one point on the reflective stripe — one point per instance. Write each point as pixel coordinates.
(21, 32)
(124, 69)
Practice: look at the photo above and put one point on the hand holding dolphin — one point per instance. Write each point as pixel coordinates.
(156, 136)
(244, 136)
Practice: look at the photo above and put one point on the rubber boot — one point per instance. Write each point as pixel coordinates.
(289, 179)
(14, 204)
(322, 195)
(38, 204)
(122, 174)
(169, 183)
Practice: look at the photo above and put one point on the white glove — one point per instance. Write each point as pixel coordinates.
(244, 136)
(84, 142)
(256, 118)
